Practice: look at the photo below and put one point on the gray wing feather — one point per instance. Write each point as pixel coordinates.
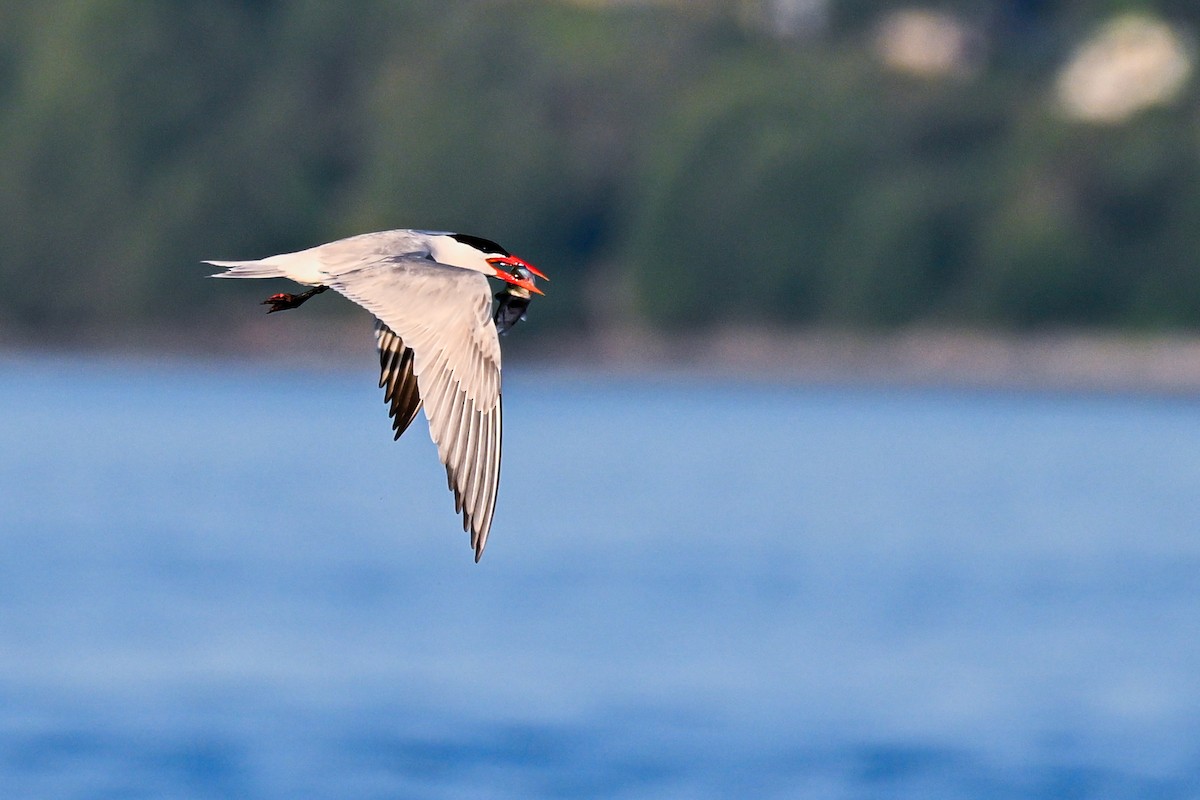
(442, 317)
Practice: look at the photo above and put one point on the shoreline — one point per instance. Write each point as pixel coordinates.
(1064, 360)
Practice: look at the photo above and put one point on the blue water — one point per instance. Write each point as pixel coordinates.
(226, 581)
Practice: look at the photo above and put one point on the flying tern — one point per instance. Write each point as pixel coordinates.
(436, 335)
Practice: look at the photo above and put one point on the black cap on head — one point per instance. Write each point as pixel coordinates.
(479, 243)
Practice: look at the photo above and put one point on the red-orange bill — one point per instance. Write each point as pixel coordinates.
(513, 261)
(532, 269)
(524, 283)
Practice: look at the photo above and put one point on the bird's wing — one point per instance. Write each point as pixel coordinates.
(443, 316)
(396, 378)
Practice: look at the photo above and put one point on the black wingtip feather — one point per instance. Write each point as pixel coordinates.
(396, 378)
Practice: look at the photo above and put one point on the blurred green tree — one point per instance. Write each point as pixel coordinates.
(721, 174)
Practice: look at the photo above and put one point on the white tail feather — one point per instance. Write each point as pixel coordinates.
(247, 269)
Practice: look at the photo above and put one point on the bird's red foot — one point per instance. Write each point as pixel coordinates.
(283, 301)
(280, 302)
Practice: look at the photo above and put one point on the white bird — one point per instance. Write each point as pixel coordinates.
(438, 346)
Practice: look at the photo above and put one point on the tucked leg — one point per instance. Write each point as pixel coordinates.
(284, 301)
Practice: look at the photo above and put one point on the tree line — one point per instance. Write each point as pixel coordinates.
(678, 165)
